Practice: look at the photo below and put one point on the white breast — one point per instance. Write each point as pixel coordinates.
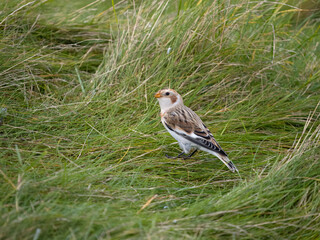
(184, 144)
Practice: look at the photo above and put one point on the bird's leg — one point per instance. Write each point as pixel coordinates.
(191, 154)
(174, 157)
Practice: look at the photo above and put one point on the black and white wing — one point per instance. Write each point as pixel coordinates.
(187, 124)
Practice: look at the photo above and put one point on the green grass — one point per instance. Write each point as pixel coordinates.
(82, 146)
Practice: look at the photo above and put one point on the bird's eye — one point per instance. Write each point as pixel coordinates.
(167, 93)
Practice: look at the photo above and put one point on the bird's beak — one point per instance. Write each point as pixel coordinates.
(157, 95)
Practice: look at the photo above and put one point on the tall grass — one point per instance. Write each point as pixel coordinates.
(82, 147)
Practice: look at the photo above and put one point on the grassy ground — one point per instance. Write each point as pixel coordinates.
(82, 147)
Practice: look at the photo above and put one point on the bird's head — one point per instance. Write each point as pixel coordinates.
(168, 98)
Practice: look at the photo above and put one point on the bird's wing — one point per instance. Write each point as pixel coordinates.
(188, 124)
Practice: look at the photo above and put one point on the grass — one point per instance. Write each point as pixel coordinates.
(82, 147)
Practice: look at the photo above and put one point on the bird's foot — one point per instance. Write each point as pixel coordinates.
(182, 155)
(170, 157)
(179, 156)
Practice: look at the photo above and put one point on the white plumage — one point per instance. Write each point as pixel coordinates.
(187, 128)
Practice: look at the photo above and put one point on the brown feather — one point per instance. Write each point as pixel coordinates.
(183, 118)
(173, 99)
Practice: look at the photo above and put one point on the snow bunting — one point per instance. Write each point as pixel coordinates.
(187, 128)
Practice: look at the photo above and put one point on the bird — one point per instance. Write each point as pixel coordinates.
(187, 128)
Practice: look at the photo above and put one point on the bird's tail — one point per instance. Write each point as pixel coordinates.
(227, 162)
